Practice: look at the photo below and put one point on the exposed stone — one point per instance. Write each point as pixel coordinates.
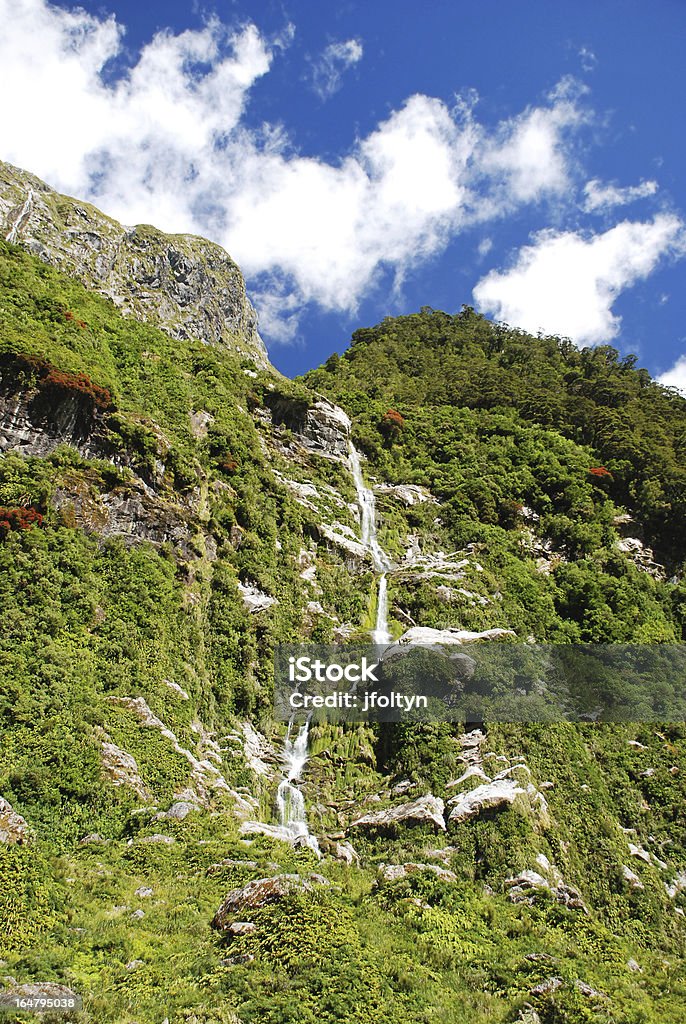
(143, 891)
(241, 928)
(186, 285)
(178, 811)
(137, 915)
(408, 494)
(525, 887)
(120, 767)
(634, 966)
(677, 885)
(92, 837)
(638, 851)
(258, 893)
(254, 599)
(394, 872)
(493, 795)
(326, 430)
(13, 828)
(547, 987)
(631, 878)
(177, 689)
(426, 810)
(423, 635)
(346, 852)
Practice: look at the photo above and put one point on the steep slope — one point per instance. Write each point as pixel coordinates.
(171, 510)
(184, 284)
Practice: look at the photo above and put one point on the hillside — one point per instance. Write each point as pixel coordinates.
(171, 510)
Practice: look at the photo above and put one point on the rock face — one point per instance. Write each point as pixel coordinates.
(186, 285)
(326, 430)
(13, 828)
(427, 810)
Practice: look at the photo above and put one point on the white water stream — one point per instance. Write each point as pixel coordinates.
(290, 802)
(382, 563)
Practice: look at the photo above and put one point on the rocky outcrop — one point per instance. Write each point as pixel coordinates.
(491, 796)
(528, 885)
(326, 430)
(426, 810)
(408, 494)
(120, 767)
(259, 892)
(13, 828)
(186, 285)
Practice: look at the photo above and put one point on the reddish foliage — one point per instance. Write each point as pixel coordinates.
(79, 383)
(600, 471)
(229, 464)
(392, 423)
(18, 519)
(79, 323)
(50, 377)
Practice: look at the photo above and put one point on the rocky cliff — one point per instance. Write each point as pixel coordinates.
(187, 285)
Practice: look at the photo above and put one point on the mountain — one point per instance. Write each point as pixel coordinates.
(172, 509)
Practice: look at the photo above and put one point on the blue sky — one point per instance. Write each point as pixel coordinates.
(365, 159)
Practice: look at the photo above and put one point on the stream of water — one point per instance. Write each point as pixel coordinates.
(369, 537)
(290, 801)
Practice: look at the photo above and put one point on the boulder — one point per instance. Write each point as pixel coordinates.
(426, 810)
(258, 893)
(492, 795)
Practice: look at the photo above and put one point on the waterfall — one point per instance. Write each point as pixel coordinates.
(289, 800)
(23, 215)
(368, 535)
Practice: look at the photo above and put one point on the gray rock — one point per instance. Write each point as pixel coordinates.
(258, 893)
(492, 795)
(13, 828)
(143, 891)
(186, 285)
(395, 872)
(241, 928)
(426, 810)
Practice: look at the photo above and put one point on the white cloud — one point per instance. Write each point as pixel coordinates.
(529, 155)
(676, 377)
(602, 197)
(328, 70)
(567, 284)
(166, 142)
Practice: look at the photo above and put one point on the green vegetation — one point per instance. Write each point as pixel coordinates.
(154, 480)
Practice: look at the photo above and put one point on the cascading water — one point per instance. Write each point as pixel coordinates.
(368, 535)
(289, 800)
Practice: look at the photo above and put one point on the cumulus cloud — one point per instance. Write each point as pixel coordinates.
(601, 197)
(565, 283)
(328, 70)
(166, 141)
(676, 377)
